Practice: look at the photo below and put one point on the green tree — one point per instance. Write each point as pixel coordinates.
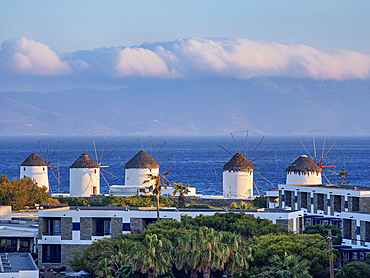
(152, 256)
(266, 246)
(341, 176)
(182, 190)
(259, 202)
(290, 266)
(242, 205)
(157, 181)
(183, 254)
(323, 231)
(238, 254)
(206, 251)
(23, 192)
(354, 269)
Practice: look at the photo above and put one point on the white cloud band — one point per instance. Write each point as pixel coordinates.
(190, 58)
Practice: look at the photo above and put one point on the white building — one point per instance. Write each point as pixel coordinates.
(62, 230)
(84, 177)
(35, 168)
(237, 178)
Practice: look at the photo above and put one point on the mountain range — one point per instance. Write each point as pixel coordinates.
(192, 107)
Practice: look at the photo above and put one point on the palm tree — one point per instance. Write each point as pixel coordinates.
(183, 254)
(291, 266)
(238, 255)
(182, 190)
(207, 252)
(152, 256)
(156, 183)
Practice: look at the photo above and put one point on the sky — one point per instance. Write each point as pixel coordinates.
(96, 43)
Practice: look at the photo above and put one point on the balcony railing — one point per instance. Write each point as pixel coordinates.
(57, 233)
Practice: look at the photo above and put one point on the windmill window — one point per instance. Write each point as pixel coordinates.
(94, 171)
(24, 168)
(43, 168)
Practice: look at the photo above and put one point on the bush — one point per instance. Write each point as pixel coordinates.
(23, 192)
(354, 270)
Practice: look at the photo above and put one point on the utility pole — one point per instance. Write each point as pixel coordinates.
(331, 255)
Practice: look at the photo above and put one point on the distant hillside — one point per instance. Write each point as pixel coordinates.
(272, 106)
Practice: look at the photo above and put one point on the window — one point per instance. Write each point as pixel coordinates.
(304, 199)
(126, 227)
(94, 171)
(24, 168)
(75, 226)
(95, 191)
(355, 204)
(43, 168)
(101, 226)
(51, 253)
(53, 227)
(249, 193)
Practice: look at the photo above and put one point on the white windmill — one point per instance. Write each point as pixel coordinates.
(36, 168)
(84, 174)
(322, 160)
(238, 171)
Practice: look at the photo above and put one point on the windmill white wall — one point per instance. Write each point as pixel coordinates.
(136, 177)
(84, 182)
(238, 185)
(304, 178)
(37, 173)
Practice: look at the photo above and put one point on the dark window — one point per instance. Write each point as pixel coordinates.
(7, 245)
(288, 201)
(346, 228)
(320, 201)
(53, 227)
(75, 226)
(126, 227)
(355, 204)
(24, 168)
(51, 253)
(337, 203)
(25, 245)
(101, 226)
(304, 199)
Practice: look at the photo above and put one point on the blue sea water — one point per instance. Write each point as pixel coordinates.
(197, 160)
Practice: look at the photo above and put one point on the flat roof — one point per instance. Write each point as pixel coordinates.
(19, 261)
(333, 186)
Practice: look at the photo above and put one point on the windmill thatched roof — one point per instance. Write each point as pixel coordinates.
(84, 161)
(142, 160)
(303, 164)
(34, 160)
(238, 163)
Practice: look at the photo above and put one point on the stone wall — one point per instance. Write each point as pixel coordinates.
(66, 224)
(41, 227)
(349, 203)
(314, 202)
(116, 226)
(299, 200)
(364, 204)
(343, 202)
(280, 198)
(282, 223)
(332, 204)
(136, 224)
(346, 226)
(353, 229)
(85, 228)
(363, 232)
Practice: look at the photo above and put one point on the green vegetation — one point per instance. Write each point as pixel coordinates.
(110, 201)
(354, 269)
(341, 176)
(156, 183)
(182, 190)
(323, 231)
(23, 192)
(230, 244)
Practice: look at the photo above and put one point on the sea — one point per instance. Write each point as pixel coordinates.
(197, 160)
